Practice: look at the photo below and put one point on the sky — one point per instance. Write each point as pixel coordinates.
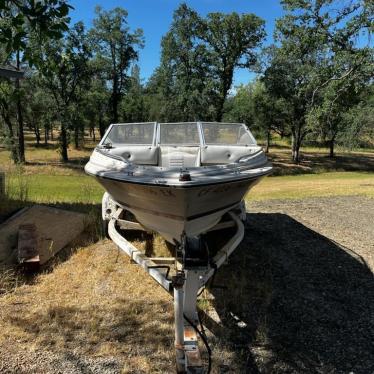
(155, 16)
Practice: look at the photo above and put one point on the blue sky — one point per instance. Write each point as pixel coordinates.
(154, 17)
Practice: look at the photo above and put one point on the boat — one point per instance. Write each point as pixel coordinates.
(178, 179)
(187, 181)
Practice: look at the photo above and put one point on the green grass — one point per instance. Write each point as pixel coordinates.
(85, 189)
(57, 188)
(314, 185)
(46, 180)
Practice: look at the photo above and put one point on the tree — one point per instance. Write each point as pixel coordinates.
(64, 69)
(7, 112)
(269, 113)
(116, 48)
(359, 121)
(239, 107)
(232, 40)
(133, 105)
(338, 96)
(39, 110)
(198, 60)
(185, 68)
(258, 109)
(20, 21)
(312, 39)
(95, 103)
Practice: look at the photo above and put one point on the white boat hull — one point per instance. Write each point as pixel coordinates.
(173, 211)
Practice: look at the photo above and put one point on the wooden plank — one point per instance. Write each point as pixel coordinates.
(56, 228)
(28, 244)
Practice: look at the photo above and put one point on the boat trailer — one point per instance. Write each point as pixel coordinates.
(189, 277)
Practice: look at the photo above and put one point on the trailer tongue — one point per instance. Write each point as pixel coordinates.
(183, 275)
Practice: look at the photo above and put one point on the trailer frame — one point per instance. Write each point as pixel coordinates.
(185, 284)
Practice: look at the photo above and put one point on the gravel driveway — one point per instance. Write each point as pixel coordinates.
(304, 288)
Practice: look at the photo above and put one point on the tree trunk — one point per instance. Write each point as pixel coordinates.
(101, 126)
(45, 135)
(21, 138)
(37, 135)
(331, 147)
(35, 127)
(115, 109)
(268, 138)
(93, 134)
(13, 146)
(219, 109)
(64, 144)
(296, 143)
(76, 137)
(115, 99)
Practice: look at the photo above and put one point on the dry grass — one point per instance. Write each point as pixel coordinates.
(9, 280)
(95, 305)
(100, 307)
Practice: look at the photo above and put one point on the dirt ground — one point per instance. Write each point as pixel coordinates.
(297, 297)
(306, 287)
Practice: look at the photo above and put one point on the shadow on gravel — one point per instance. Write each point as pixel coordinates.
(295, 302)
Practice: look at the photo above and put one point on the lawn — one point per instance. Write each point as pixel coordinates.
(314, 185)
(44, 188)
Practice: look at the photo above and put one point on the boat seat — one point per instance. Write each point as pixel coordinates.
(138, 154)
(225, 154)
(179, 156)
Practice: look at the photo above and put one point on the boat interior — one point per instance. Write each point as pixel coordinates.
(176, 145)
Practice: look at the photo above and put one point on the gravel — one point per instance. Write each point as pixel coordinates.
(304, 288)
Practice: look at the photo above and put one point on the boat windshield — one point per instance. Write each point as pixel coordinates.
(179, 133)
(184, 133)
(131, 133)
(227, 133)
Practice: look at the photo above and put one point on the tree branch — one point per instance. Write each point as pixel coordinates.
(345, 75)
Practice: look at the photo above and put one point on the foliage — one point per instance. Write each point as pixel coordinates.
(317, 47)
(133, 105)
(240, 107)
(359, 121)
(20, 19)
(7, 114)
(315, 82)
(63, 71)
(182, 84)
(199, 57)
(115, 49)
(231, 40)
